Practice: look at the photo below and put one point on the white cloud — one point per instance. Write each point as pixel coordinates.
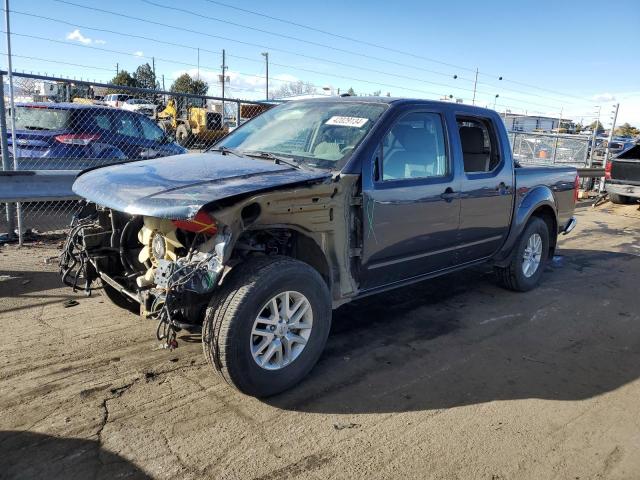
(76, 35)
(604, 97)
(79, 37)
(139, 53)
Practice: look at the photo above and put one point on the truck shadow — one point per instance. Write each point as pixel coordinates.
(33, 455)
(461, 340)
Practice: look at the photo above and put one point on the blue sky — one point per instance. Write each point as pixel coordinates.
(551, 55)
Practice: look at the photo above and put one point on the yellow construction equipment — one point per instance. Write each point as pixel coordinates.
(192, 125)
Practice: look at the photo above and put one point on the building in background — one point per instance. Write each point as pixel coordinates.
(536, 123)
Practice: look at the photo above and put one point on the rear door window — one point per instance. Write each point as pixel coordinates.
(479, 145)
(40, 118)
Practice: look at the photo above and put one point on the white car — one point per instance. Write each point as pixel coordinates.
(116, 99)
(140, 105)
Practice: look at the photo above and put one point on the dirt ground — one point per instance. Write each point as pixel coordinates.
(453, 378)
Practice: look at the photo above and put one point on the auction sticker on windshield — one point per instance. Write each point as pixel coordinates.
(356, 122)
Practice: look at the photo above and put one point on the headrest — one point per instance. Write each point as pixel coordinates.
(413, 139)
(472, 139)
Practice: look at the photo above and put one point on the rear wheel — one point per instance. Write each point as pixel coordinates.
(527, 259)
(621, 199)
(267, 326)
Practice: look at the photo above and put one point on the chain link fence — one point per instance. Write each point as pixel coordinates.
(550, 149)
(63, 124)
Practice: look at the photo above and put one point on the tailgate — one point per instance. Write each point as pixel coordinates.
(625, 168)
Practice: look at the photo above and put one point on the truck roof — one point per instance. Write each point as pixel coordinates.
(399, 101)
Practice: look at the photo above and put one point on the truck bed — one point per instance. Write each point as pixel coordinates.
(561, 181)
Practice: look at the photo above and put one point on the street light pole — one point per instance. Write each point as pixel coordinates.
(266, 59)
(495, 100)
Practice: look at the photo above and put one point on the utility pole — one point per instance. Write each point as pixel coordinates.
(475, 84)
(199, 62)
(117, 69)
(223, 79)
(153, 68)
(13, 112)
(609, 140)
(593, 137)
(266, 88)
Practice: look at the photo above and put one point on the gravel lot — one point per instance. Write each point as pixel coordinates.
(452, 378)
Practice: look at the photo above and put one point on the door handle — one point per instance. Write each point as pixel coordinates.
(448, 194)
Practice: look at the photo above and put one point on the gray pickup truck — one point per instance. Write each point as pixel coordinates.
(308, 206)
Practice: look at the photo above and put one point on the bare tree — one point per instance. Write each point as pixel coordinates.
(25, 86)
(292, 89)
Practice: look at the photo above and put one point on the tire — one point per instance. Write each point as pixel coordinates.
(621, 199)
(227, 337)
(118, 299)
(513, 276)
(183, 136)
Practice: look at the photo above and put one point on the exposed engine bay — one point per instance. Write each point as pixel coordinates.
(164, 269)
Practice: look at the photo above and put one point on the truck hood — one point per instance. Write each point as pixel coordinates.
(177, 187)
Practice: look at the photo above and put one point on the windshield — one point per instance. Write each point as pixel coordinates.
(40, 118)
(319, 134)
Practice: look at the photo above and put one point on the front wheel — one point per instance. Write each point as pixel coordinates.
(621, 199)
(528, 258)
(183, 136)
(267, 326)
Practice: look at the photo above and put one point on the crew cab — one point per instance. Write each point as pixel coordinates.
(308, 206)
(622, 176)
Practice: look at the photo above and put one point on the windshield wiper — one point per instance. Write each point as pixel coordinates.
(33, 127)
(223, 151)
(276, 158)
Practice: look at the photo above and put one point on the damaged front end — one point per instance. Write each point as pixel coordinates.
(163, 269)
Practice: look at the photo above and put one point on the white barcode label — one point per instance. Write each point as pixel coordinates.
(356, 122)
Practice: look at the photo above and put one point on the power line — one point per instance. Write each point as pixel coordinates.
(164, 42)
(344, 77)
(283, 50)
(120, 52)
(383, 47)
(331, 47)
(59, 62)
(448, 86)
(105, 30)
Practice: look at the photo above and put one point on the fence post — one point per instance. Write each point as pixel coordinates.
(6, 163)
(7, 26)
(238, 114)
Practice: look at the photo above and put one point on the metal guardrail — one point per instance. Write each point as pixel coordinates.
(55, 185)
(37, 185)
